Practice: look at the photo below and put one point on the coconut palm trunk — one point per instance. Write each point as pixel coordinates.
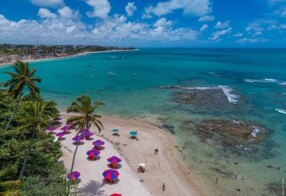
(28, 154)
(85, 119)
(14, 111)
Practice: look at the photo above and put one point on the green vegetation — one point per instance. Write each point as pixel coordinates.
(28, 156)
(10, 52)
(84, 107)
(21, 77)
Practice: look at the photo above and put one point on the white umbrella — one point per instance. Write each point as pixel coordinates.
(142, 164)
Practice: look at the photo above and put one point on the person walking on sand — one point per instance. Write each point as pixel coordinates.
(156, 151)
(163, 187)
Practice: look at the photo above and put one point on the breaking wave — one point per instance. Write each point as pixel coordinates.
(282, 111)
(265, 80)
(227, 91)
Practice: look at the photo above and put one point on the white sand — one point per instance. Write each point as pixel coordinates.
(166, 167)
(91, 171)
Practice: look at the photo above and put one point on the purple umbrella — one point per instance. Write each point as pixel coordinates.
(92, 153)
(73, 175)
(86, 133)
(98, 143)
(114, 160)
(70, 124)
(78, 138)
(58, 118)
(110, 174)
(60, 135)
(51, 128)
(65, 128)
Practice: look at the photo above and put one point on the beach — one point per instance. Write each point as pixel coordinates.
(61, 57)
(164, 167)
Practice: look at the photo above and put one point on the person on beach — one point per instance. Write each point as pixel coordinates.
(156, 151)
(163, 187)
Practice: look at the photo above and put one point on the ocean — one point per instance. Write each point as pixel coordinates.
(186, 88)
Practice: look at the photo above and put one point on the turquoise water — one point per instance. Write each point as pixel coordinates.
(128, 83)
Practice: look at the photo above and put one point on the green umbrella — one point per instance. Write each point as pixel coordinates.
(133, 133)
(115, 130)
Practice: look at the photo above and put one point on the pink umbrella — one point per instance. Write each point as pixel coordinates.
(98, 143)
(86, 133)
(65, 129)
(73, 175)
(60, 135)
(78, 138)
(92, 153)
(51, 129)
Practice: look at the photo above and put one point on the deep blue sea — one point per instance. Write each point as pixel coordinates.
(252, 81)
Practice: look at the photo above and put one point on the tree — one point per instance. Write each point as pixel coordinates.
(35, 120)
(8, 183)
(85, 118)
(22, 77)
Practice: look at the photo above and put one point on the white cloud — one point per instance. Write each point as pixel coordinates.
(47, 3)
(130, 8)
(71, 29)
(45, 13)
(162, 22)
(101, 8)
(252, 40)
(204, 27)
(238, 34)
(222, 25)
(216, 35)
(66, 12)
(189, 7)
(206, 18)
(116, 30)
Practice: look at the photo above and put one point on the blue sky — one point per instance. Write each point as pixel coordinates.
(145, 23)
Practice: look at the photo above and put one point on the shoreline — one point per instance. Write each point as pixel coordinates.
(64, 57)
(166, 167)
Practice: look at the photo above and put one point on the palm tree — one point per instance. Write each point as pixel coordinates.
(8, 185)
(85, 119)
(22, 77)
(35, 119)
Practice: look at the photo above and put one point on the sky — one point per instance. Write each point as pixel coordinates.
(145, 23)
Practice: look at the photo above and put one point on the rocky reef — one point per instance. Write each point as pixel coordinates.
(232, 137)
(231, 132)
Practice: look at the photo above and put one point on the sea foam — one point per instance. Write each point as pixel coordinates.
(282, 111)
(266, 80)
(231, 97)
(255, 131)
(227, 91)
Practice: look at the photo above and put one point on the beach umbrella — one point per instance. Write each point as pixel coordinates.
(110, 174)
(78, 138)
(60, 134)
(86, 133)
(115, 194)
(58, 118)
(133, 133)
(51, 128)
(115, 130)
(141, 164)
(98, 143)
(73, 175)
(114, 160)
(70, 124)
(65, 128)
(93, 153)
